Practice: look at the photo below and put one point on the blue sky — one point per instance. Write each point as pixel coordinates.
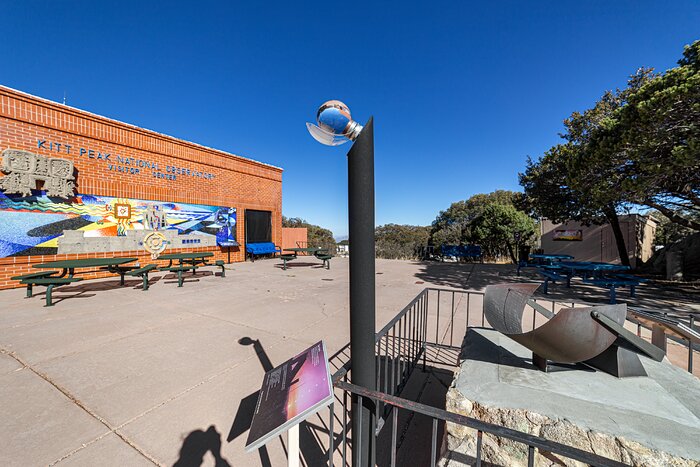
(461, 92)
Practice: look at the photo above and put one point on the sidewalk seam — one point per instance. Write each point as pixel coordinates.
(82, 406)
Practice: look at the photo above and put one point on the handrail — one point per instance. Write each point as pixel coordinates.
(496, 430)
(398, 316)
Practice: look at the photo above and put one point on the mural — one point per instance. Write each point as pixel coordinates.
(32, 225)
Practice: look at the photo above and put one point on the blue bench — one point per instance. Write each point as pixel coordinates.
(611, 283)
(263, 248)
(553, 276)
(472, 252)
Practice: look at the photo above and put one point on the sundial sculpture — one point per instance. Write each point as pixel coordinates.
(594, 335)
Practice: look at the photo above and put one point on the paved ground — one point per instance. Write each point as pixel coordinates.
(117, 376)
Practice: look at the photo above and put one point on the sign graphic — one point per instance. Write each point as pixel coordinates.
(290, 393)
(122, 211)
(568, 235)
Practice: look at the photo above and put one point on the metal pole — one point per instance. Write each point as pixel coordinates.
(362, 300)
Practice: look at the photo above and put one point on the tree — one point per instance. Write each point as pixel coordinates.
(476, 220)
(548, 193)
(647, 149)
(501, 227)
(669, 232)
(451, 227)
(658, 141)
(315, 235)
(395, 241)
(576, 180)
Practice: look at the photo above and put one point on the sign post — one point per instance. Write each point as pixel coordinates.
(290, 393)
(293, 446)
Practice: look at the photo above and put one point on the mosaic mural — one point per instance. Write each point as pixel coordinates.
(32, 225)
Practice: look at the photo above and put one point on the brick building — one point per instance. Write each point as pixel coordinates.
(125, 181)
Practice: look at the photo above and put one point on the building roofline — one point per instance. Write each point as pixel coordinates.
(146, 131)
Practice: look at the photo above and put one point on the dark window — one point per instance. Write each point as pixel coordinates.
(258, 226)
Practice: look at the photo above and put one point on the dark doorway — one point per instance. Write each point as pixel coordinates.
(258, 226)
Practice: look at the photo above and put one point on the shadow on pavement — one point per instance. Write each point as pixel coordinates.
(309, 434)
(476, 276)
(197, 444)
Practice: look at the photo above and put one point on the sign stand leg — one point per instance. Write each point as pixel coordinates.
(293, 446)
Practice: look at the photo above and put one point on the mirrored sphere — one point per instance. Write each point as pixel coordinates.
(334, 117)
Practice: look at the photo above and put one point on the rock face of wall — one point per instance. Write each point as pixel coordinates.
(689, 251)
(640, 421)
(460, 442)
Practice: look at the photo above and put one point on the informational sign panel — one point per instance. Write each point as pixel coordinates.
(290, 393)
(568, 235)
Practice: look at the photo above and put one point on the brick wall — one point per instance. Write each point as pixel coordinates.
(292, 235)
(238, 182)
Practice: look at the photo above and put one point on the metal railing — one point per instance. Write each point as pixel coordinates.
(437, 319)
(532, 442)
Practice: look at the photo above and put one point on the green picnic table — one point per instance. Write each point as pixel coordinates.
(187, 258)
(311, 249)
(188, 261)
(48, 280)
(320, 253)
(114, 265)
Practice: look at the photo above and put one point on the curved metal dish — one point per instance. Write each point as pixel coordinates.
(570, 336)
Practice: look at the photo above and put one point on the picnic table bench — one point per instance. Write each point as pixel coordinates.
(45, 279)
(190, 261)
(114, 265)
(325, 257)
(318, 252)
(220, 263)
(536, 260)
(143, 273)
(193, 259)
(612, 283)
(179, 270)
(553, 276)
(285, 258)
(30, 276)
(50, 280)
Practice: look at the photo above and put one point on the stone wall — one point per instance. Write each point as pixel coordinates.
(649, 420)
(460, 442)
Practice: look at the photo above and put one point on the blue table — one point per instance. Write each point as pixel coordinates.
(591, 268)
(550, 258)
(539, 259)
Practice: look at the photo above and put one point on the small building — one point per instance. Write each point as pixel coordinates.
(597, 242)
(343, 248)
(294, 237)
(77, 185)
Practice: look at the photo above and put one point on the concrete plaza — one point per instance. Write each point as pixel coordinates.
(116, 376)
